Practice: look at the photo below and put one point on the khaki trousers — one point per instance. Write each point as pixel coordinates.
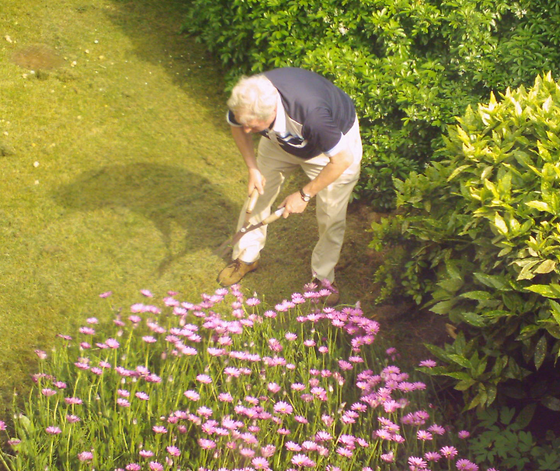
(276, 165)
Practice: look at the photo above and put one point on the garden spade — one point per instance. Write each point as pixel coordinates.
(222, 250)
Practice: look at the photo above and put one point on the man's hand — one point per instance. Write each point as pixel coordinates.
(337, 165)
(256, 180)
(244, 142)
(293, 204)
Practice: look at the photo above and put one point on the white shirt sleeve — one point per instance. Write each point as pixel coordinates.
(342, 144)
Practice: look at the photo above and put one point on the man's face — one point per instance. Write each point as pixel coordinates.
(256, 125)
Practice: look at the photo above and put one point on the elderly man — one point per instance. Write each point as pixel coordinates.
(305, 121)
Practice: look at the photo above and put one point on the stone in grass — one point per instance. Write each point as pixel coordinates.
(6, 150)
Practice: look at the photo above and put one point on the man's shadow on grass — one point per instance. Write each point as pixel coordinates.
(169, 197)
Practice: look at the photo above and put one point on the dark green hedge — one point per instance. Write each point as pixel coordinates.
(410, 65)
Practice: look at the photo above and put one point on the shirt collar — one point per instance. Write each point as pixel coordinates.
(279, 126)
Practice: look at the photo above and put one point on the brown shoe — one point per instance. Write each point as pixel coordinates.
(235, 272)
(333, 296)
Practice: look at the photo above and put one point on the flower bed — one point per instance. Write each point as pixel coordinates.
(227, 384)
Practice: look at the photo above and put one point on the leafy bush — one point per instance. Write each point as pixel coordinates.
(226, 384)
(482, 230)
(501, 440)
(410, 66)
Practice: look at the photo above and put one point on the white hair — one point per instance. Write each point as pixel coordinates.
(253, 98)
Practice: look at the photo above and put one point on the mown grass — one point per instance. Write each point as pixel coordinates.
(119, 173)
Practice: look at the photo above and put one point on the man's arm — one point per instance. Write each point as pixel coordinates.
(244, 142)
(330, 173)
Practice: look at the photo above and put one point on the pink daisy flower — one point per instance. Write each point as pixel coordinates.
(322, 436)
(192, 395)
(299, 460)
(292, 446)
(232, 372)
(268, 451)
(247, 452)
(309, 445)
(73, 400)
(204, 411)
(274, 387)
(437, 429)
(417, 463)
(206, 444)
(85, 456)
(423, 435)
(173, 451)
(466, 465)
(225, 397)
(253, 302)
(432, 456)
(347, 453)
(123, 402)
(260, 463)
(41, 354)
(298, 386)
(112, 343)
(448, 451)
(283, 408)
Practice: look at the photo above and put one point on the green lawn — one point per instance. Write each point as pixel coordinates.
(119, 173)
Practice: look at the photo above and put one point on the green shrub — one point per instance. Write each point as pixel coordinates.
(411, 66)
(482, 231)
(502, 440)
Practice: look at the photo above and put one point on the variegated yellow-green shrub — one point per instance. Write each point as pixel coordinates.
(479, 235)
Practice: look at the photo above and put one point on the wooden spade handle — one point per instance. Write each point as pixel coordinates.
(253, 197)
(273, 217)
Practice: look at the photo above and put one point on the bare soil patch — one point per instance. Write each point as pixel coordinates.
(37, 57)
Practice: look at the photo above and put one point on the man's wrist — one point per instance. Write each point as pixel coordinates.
(304, 196)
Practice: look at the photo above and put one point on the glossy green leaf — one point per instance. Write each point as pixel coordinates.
(460, 360)
(464, 385)
(473, 319)
(545, 267)
(540, 352)
(555, 310)
(524, 417)
(551, 402)
(550, 291)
